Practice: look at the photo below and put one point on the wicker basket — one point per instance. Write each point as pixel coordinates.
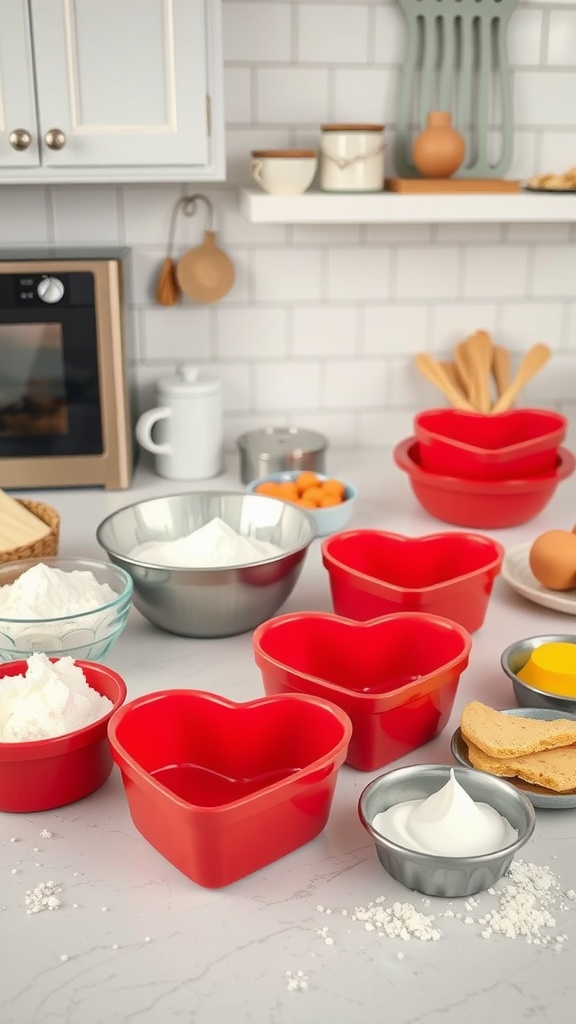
(44, 547)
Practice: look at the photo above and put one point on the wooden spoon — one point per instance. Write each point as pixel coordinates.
(479, 354)
(533, 361)
(501, 365)
(432, 370)
(464, 370)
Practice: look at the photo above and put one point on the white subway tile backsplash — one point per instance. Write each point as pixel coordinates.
(406, 387)
(287, 275)
(537, 232)
(86, 214)
(383, 430)
(395, 328)
(451, 322)
(238, 95)
(525, 37)
(469, 233)
(293, 385)
(337, 34)
(148, 213)
(570, 338)
(292, 95)
(524, 323)
(492, 271)
(401, 234)
(561, 38)
(328, 330)
(358, 273)
(425, 272)
(325, 234)
(555, 270)
(544, 98)
(364, 95)
(557, 151)
(251, 330)
(389, 35)
(257, 32)
(25, 216)
(176, 333)
(354, 384)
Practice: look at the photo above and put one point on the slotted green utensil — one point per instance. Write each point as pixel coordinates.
(456, 60)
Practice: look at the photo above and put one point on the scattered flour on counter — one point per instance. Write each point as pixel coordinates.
(43, 897)
(214, 544)
(297, 981)
(47, 592)
(49, 699)
(529, 901)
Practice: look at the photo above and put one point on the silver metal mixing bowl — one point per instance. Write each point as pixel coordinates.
(430, 873)
(515, 657)
(211, 601)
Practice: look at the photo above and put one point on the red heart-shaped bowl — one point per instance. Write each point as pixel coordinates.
(396, 676)
(516, 443)
(38, 775)
(221, 789)
(480, 504)
(374, 573)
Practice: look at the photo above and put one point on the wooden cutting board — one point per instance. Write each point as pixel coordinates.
(453, 186)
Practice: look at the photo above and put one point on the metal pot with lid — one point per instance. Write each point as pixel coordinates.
(274, 449)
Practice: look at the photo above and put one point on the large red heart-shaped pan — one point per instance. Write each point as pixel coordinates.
(221, 788)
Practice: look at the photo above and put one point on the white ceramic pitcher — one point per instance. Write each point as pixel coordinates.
(189, 442)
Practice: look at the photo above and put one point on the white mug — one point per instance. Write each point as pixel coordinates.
(284, 172)
(189, 426)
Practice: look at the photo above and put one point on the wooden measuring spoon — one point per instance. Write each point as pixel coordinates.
(533, 361)
(432, 370)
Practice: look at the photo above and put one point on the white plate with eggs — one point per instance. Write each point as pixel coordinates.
(518, 574)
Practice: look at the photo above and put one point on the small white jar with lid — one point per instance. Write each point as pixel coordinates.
(352, 158)
(190, 442)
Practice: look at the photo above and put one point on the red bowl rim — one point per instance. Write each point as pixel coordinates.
(129, 763)
(551, 437)
(379, 702)
(404, 457)
(493, 566)
(31, 750)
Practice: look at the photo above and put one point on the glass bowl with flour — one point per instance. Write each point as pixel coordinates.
(209, 563)
(62, 606)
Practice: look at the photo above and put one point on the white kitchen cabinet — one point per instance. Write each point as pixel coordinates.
(111, 91)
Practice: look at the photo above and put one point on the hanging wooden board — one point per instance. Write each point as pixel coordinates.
(444, 186)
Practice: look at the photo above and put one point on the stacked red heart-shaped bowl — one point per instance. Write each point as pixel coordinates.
(485, 470)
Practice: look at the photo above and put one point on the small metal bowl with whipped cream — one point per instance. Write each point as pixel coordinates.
(443, 830)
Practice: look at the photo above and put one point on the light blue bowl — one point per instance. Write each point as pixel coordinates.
(328, 520)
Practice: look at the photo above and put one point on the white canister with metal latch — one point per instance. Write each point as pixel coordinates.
(188, 424)
(352, 158)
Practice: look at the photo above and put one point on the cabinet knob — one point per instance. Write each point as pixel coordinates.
(20, 138)
(55, 138)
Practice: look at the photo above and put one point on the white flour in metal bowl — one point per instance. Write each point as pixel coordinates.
(211, 545)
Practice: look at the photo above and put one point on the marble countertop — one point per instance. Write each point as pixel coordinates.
(136, 942)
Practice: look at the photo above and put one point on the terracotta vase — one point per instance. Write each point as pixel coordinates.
(439, 149)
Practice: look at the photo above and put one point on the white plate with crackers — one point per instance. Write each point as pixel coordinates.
(518, 575)
(538, 795)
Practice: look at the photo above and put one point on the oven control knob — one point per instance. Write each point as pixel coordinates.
(50, 289)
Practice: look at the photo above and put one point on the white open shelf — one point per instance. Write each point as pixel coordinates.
(393, 208)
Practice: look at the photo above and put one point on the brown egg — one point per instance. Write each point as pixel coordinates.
(552, 559)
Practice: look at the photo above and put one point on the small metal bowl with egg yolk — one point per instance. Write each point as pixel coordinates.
(542, 670)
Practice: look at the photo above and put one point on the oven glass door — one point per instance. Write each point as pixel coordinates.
(49, 384)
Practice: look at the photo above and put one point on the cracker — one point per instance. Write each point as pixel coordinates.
(504, 736)
(551, 769)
